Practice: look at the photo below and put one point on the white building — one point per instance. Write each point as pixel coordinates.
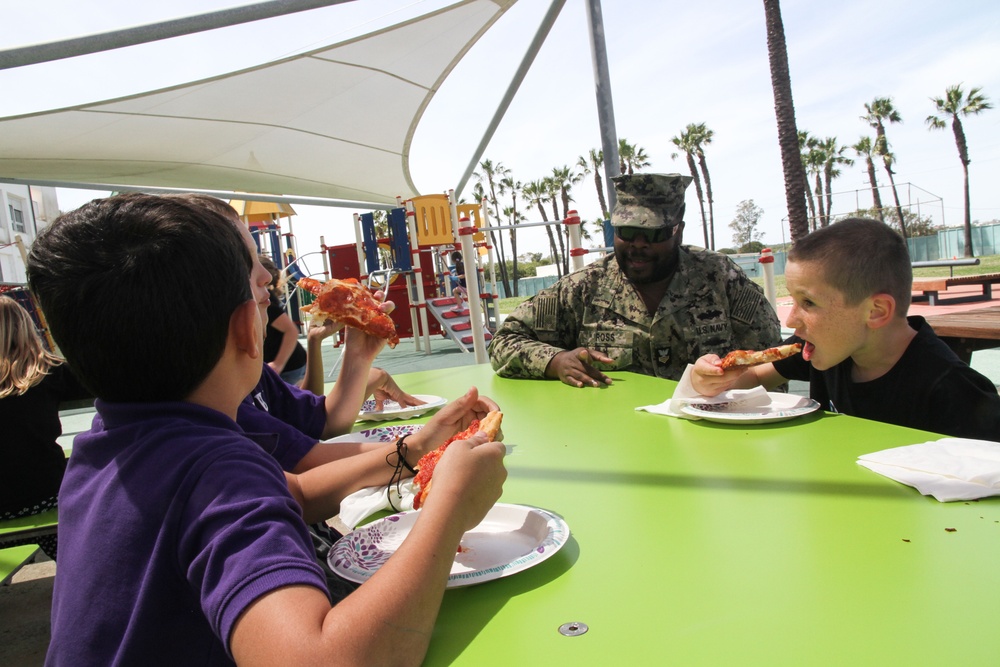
(24, 211)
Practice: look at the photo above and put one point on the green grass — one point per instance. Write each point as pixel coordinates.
(989, 264)
(508, 305)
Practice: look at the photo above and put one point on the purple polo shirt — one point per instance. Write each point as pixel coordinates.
(297, 417)
(171, 523)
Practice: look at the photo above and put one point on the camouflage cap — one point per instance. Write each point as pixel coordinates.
(649, 200)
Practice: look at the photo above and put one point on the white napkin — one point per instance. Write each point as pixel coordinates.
(685, 394)
(948, 469)
(363, 503)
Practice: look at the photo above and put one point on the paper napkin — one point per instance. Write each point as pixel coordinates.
(685, 394)
(363, 503)
(948, 469)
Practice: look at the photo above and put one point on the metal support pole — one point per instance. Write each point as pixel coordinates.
(767, 263)
(576, 249)
(522, 70)
(151, 32)
(605, 105)
(465, 232)
(359, 246)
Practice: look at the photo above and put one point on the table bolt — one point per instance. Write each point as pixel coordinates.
(573, 629)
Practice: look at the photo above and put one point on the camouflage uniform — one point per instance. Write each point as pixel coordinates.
(710, 305)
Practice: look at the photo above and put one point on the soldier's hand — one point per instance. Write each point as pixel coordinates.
(574, 368)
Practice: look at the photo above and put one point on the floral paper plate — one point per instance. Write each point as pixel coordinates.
(379, 434)
(511, 538)
(392, 409)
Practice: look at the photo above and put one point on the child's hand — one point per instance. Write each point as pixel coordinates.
(708, 377)
(469, 476)
(451, 419)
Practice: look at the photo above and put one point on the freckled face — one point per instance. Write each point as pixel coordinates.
(833, 330)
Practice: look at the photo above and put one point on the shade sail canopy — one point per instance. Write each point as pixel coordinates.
(336, 122)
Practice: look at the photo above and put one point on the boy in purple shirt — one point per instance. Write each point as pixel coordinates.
(181, 539)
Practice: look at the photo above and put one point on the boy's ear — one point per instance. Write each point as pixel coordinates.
(244, 328)
(881, 311)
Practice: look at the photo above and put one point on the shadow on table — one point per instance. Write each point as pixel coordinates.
(466, 611)
(721, 483)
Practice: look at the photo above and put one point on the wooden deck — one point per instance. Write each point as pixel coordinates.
(969, 330)
(931, 287)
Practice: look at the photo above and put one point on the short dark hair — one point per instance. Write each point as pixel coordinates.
(860, 257)
(138, 291)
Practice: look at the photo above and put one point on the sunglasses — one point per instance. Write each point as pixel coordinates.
(657, 235)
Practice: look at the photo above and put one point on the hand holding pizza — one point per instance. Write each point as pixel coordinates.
(453, 418)
(712, 375)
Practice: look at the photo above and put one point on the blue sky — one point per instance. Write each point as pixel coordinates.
(670, 65)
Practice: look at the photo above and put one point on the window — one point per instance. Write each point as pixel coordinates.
(16, 217)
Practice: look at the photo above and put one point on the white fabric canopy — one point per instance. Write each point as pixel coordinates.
(340, 126)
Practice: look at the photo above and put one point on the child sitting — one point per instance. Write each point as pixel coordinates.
(181, 540)
(862, 355)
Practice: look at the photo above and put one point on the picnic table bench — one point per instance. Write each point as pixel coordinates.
(13, 559)
(968, 331)
(16, 548)
(28, 527)
(930, 287)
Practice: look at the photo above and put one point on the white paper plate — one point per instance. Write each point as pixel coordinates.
(392, 409)
(511, 538)
(782, 407)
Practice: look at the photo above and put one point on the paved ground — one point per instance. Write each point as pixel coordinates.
(25, 603)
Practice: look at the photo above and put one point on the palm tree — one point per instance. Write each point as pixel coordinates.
(807, 147)
(631, 158)
(864, 148)
(879, 111)
(686, 142)
(537, 193)
(814, 165)
(833, 155)
(956, 104)
(594, 163)
(703, 137)
(513, 187)
(491, 175)
(784, 111)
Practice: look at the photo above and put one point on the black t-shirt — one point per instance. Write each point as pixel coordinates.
(31, 461)
(272, 341)
(929, 388)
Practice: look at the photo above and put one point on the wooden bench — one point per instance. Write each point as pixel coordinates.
(968, 331)
(13, 559)
(930, 287)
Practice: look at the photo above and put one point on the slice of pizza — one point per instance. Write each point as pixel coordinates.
(349, 302)
(752, 358)
(490, 424)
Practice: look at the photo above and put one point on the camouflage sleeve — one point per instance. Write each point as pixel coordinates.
(527, 340)
(755, 324)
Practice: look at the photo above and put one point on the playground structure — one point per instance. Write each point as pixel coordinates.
(408, 260)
